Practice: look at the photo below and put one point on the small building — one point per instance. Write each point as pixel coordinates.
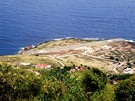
(25, 64)
(77, 69)
(128, 71)
(82, 69)
(72, 70)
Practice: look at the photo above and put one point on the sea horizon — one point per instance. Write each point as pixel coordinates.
(24, 23)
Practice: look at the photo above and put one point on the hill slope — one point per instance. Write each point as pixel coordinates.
(112, 56)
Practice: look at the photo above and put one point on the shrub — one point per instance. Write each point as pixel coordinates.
(126, 90)
(93, 81)
(111, 57)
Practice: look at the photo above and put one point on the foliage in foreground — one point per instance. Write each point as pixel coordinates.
(61, 85)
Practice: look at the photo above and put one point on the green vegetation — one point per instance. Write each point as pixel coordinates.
(122, 56)
(126, 90)
(61, 85)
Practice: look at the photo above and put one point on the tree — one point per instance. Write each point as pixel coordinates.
(93, 80)
(126, 90)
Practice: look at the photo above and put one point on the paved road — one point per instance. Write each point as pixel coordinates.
(61, 48)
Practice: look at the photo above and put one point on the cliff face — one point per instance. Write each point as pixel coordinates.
(113, 56)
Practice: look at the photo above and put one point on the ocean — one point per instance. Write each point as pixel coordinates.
(29, 22)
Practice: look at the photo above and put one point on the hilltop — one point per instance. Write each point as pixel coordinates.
(114, 56)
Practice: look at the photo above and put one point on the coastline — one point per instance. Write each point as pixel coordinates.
(67, 38)
(58, 39)
(107, 54)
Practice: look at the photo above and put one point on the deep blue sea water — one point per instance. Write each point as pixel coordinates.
(26, 22)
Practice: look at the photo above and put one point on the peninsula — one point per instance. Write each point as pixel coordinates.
(114, 56)
(70, 70)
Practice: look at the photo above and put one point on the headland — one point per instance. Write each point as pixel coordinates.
(115, 56)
